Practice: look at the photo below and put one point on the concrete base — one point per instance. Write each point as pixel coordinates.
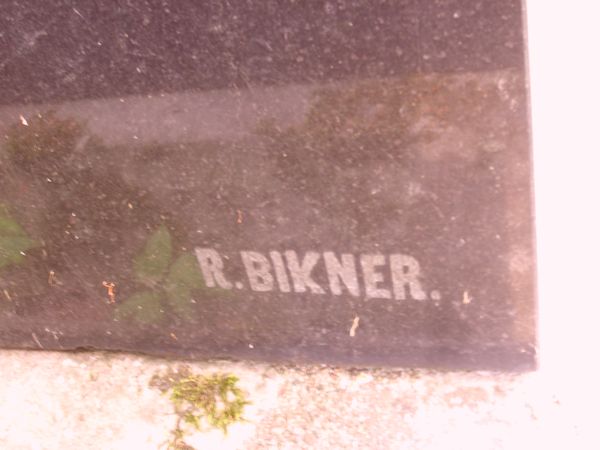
(51, 400)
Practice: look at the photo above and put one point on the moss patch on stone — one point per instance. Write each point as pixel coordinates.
(201, 402)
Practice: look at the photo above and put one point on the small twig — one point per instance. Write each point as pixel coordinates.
(354, 326)
(37, 341)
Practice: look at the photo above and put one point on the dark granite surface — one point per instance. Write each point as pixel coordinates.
(68, 49)
(336, 182)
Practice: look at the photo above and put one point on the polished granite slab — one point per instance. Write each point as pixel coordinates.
(329, 182)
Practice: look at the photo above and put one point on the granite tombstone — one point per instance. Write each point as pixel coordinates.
(341, 182)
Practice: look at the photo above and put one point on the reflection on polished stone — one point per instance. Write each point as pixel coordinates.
(343, 184)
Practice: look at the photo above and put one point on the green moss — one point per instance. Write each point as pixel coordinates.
(166, 281)
(145, 307)
(14, 242)
(151, 264)
(213, 401)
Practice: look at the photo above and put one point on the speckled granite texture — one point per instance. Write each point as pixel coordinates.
(341, 182)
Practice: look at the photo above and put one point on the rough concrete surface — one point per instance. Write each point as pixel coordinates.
(95, 400)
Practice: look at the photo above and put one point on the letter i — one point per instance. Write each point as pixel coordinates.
(280, 274)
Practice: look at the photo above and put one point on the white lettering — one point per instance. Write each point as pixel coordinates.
(344, 271)
(287, 272)
(301, 272)
(372, 278)
(211, 265)
(405, 273)
(280, 273)
(258, 270)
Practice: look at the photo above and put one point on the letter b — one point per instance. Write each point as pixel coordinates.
(258, 270)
